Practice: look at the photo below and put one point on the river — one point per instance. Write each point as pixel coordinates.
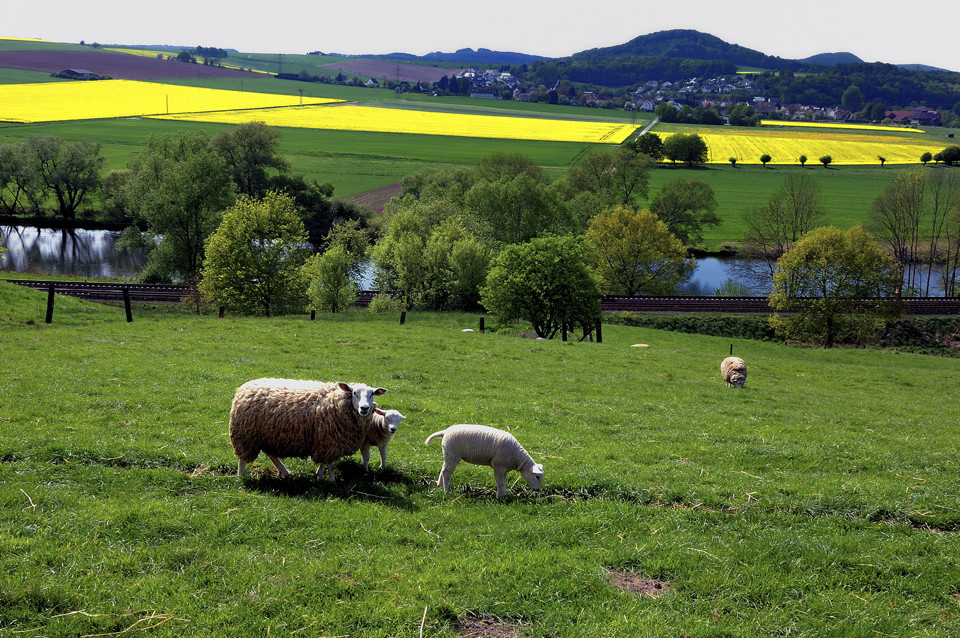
(91, 253)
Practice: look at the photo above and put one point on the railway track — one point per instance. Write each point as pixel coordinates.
(162, 293)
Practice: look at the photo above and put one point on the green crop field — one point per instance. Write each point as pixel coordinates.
(823, 499)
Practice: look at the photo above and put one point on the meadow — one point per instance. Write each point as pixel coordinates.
(823, 499)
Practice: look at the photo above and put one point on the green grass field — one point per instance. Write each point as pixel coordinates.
(823, 499)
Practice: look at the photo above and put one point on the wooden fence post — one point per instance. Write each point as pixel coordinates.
(220, 314)
(403, 317)
(481, 324)
(563, 331)
(313, 315)
(599, 332)
(126, 304)
(49, 318)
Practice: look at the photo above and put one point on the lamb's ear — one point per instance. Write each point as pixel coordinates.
(379, 391)
(380, 412)
(345, 387)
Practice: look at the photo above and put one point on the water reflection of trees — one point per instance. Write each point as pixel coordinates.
(80, 252)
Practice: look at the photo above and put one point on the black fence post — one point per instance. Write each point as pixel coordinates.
(49, 318)
(481, 324)
(126, 304)
(313, 315)
(220, 314)
(599, 332)
(403, 317)
(563, 331)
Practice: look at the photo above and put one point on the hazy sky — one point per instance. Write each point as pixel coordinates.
(876, 30)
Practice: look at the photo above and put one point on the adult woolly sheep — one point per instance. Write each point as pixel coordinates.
(734, 371)
(483, 445)
(383, 425)
(289, 417)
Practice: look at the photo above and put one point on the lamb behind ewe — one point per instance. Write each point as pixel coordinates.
(287, 417)
(383, 425)
(482, 445)
(734, 372)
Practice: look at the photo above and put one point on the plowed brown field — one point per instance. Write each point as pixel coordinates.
(120, 66)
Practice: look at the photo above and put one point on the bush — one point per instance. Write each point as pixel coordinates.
(385, 302)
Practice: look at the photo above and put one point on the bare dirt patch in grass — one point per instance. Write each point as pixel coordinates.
(375, 199)
(121, 66)
(487, 627)
(384, 69)
(636, 584)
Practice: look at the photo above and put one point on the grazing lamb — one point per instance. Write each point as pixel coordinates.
(287, 417)
(734, 372)
(482, 445)
(383, 425)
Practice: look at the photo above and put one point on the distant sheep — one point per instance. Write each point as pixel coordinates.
(482, 445)
(734, 372)
(383, 425)
(287, 417)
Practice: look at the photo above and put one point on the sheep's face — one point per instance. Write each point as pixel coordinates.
(391, 418)
(534, 476)
(362, 397)
(737, 379)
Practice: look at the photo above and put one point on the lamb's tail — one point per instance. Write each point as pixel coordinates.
(433, 436)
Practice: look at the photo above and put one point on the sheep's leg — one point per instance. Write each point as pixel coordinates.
(500, 475)
(324, 470)
(284, 472)
(383, 456)
(241, 468)
(449, 465)
(365, 453)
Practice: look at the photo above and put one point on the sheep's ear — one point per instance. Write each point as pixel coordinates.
(379, 391)
(345, 387)
(380, 412)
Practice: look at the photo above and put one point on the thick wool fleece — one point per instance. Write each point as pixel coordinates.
(734, 371)
(286, 417)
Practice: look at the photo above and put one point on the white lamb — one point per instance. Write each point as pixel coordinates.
(287, 417)
(383, 425)
(734, 372)
(482, 445)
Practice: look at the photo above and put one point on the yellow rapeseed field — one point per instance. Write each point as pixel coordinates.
(389, 120)
(63, 101)
(786, 146)
(839, 126)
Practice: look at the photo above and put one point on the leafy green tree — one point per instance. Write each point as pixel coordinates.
(516, 209)
(687, 148)
(353, 239)
(68, 172)
(686, 206)
(439, 183)
(926, 157)
(852, 98)
(498, 166)
(180, 187)
(826, 160)
(820, 285)
(545, 282)
(20, 187)
(617, 178)
(802, 159)
(254, 259)
(765, 158)
(634, 253)
(666, 112)
(950, 155)
(329, 285)
(249, 150)
(650, 144)
(115, 196)
(742, 115)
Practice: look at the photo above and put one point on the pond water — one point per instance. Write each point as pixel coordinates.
(91, 253)
(80, 252)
